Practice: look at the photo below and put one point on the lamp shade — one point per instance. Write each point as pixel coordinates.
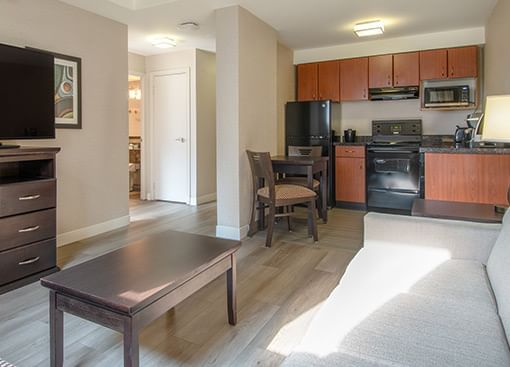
(496, 126)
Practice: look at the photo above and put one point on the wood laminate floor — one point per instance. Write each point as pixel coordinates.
(279, 291)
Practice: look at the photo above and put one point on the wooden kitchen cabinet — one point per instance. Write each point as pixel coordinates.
(329, 81)
(350, 174)
(460, 62)
(380, 71)
(433, 64)
(406, 69)
(471, 178)
(463, 62)
(354, 79)
(308, 82)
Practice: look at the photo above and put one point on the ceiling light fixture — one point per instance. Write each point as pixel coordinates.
(372, 28)
(164, 42)
(189, 26)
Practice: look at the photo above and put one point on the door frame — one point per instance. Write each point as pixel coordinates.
(143, 129)
(151, 176)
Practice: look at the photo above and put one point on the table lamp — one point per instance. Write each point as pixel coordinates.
(496, 126)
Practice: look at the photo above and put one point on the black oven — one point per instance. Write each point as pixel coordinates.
(394, 166)
(450, 96)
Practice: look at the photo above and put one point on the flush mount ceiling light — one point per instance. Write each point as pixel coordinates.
(164, 42)
(189, 26)
(372, 28)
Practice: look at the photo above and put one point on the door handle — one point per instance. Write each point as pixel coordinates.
(28, 229)
(29, 261)
(29, 197)
(180, 140)
(380, 161)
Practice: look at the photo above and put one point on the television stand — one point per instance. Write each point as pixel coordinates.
(8, 146)
(27, 215)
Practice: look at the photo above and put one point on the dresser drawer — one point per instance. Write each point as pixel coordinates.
(27, 228)
(27, 260)
(350, 151)
(23, 197)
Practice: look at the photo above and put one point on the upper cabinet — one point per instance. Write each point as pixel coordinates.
(461, 62)
(329, 80)
(406, 69)
(433, 64)
(399, 70)
(308, 82)
(354, 79)
(380, 71)
(318, 81)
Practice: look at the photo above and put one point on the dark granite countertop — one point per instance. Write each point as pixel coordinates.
(452, 148)
(360, 141)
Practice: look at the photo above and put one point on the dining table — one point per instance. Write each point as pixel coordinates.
(310, 167)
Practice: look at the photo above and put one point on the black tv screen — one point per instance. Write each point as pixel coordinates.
(27, 107)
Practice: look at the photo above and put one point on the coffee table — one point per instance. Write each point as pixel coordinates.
(472, 212)
(127, 289)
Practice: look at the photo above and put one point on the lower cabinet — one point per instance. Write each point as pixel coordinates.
(472, 178)
(350, 174)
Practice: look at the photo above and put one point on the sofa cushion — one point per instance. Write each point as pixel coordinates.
(498, 268)
(406, 307)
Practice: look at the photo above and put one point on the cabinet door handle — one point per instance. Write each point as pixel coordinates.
(29, 261)
(29, 197)
(28, 229)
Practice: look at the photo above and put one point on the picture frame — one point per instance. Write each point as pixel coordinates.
(67, 91)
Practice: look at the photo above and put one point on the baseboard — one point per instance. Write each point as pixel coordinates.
(82, 233)
(203, 199)
(232, 233)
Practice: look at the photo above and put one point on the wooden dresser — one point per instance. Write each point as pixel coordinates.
(28, 192)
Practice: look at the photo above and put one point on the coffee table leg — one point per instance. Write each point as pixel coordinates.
(231, 292)
(56, 333)
(131, 346)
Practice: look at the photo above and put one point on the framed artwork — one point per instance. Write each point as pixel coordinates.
(67, 91)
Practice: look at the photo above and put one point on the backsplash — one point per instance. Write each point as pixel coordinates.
(359, 116)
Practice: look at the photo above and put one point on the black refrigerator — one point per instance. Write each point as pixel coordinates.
(311, 124)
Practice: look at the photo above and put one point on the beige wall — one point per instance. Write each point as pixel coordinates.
(460, 37)
(497, 51)
(206, 126)
(136, 63)
(92, 166)
(246, 110)
(286, 89)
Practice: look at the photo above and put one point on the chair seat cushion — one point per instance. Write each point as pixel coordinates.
(301, 181)
(288, 192)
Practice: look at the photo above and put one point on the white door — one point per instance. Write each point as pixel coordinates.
(170, 116)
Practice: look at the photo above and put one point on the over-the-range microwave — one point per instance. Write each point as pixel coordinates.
(449, 96)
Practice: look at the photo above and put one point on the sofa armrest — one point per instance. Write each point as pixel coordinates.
(463, 240)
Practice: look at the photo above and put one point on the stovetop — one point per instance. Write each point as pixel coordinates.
(396, 133)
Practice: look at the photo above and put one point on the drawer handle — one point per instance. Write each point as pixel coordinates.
(29, 229)
(29, 197)
(29, 261)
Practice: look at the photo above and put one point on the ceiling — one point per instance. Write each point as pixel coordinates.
(301, 23)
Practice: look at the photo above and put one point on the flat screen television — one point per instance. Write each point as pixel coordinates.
(27, 107)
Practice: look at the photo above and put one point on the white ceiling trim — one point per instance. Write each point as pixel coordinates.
(454, 38)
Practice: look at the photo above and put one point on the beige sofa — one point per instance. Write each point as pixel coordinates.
(422, 292)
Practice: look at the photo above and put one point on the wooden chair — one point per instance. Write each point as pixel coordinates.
(303, 151)
(269, 195)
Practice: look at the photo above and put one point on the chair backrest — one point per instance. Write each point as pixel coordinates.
(262, 171)
(299, 151)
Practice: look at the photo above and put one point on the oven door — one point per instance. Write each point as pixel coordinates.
(393, 179)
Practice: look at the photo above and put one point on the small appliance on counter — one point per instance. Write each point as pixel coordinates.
(349, 136)
(463, 135)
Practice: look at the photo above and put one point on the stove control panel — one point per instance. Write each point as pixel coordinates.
(387, 128)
